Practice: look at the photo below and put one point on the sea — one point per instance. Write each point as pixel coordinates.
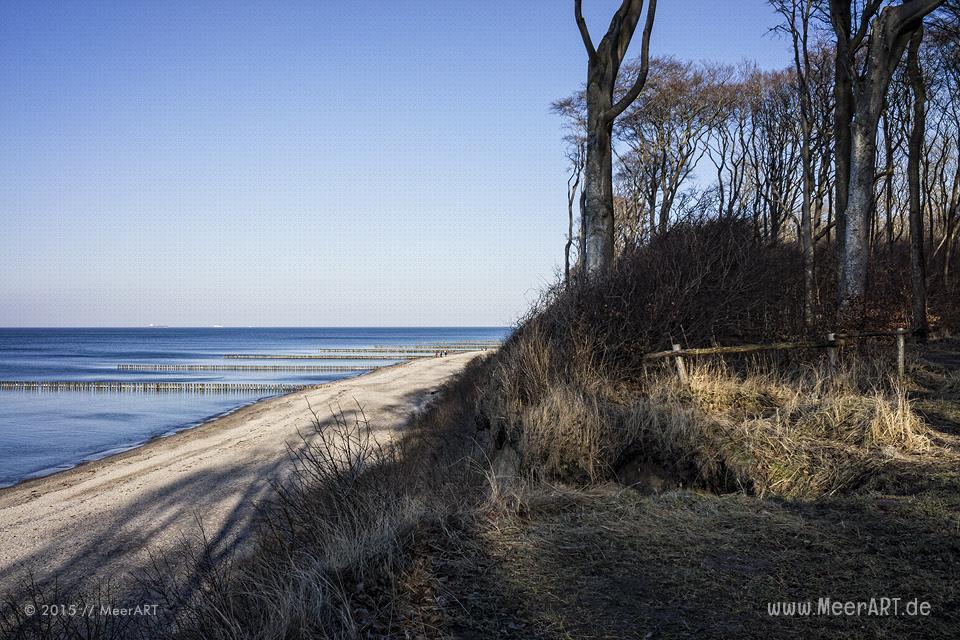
(45, 428)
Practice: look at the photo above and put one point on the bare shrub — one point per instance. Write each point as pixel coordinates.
(329, 547)
(336, 535)
(571, 394)
(50, 612)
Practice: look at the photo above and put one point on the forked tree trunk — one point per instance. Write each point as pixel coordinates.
(603, 67)
(890, 32)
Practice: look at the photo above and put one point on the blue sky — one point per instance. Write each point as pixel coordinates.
(299, 163)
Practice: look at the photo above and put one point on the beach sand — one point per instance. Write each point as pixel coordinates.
(101, 520)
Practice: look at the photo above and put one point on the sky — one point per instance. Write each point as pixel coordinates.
(314, 163)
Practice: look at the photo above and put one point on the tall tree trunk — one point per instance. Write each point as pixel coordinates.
(888, 180)
(573, 186)
(603, 67)
(918, 273)
(582, 236)
(855, 260)
(890, 32)
(842, 115)
(598, 184)
(806, 235)
(952, 226)
(798, 16)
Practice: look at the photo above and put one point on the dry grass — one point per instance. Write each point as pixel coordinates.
(605, 562)
(510, 510)
(335, 538)
(794, 431)
(330, 544)
(431, 538)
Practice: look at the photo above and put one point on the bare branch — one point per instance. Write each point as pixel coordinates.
(582, 25)
(641, 79)
(869, 10)
(910, 12)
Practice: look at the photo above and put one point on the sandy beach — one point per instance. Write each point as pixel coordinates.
(102, 519)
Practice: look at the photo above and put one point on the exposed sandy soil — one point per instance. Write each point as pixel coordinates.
(101, 520)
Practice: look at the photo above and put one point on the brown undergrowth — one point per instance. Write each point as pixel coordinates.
(437, 537)
(762, 428)
(563, 488)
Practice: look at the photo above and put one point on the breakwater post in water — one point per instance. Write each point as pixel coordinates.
(397, 350)
(147, 387)
(243, 367)
(310, 356)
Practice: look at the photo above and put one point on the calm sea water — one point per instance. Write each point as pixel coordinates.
(46, 431)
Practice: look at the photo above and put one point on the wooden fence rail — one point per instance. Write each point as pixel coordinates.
(833, 342)
(743, 348)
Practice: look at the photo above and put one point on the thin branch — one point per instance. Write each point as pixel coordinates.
(869, 10)
(908, 12)
(582, 25)
(641, 79)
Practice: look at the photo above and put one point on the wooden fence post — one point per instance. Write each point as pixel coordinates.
(901, 352)
(832, 353)
(681, 369)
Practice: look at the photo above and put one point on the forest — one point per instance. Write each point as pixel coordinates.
(849, 155)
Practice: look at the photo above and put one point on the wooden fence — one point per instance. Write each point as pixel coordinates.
(832, 343)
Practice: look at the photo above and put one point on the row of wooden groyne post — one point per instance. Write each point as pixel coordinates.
(240, 367)
(379, 352)
(324, 356)
(190, 387)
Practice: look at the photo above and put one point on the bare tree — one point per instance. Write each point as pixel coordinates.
(775, 142)
(841, 19)
(667, 127)
(885, 31)
(603, 107)
(730, 142)
(798, 14)
(774, 153)
(918, 273)
(945, 37)
(576, 155)
(573, 111)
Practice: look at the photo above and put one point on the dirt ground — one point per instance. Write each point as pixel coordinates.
(610, 562)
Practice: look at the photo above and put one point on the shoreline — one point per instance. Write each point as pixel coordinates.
(109, 454)
(106, 517)
(167, 438)
(100, 456)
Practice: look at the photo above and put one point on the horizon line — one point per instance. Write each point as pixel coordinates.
(245, 326)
